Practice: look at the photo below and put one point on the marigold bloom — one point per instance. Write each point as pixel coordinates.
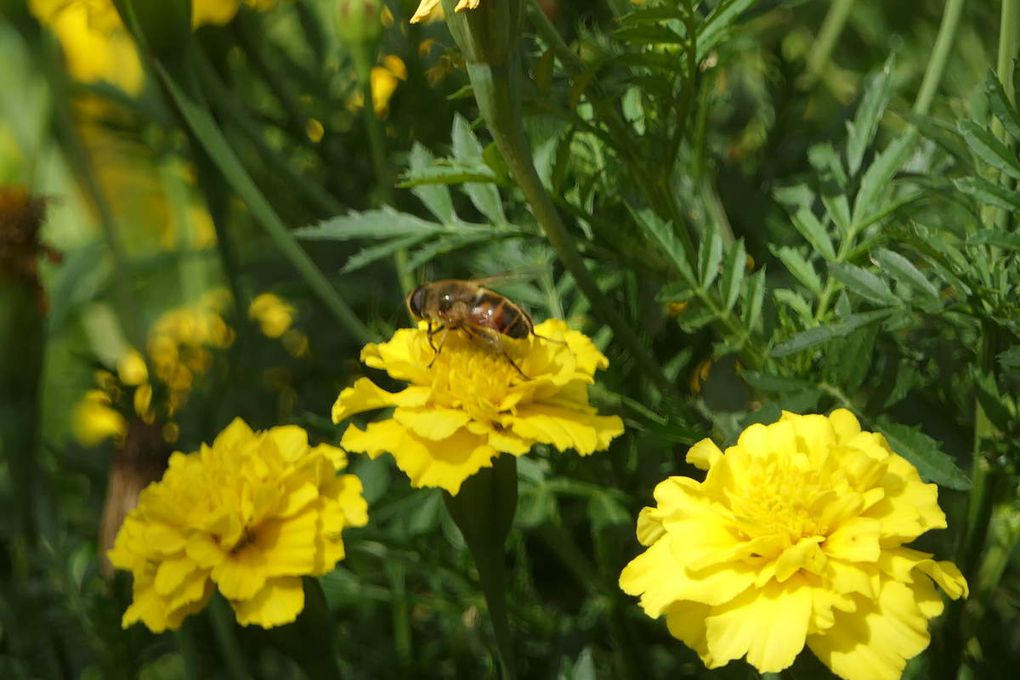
(471, 404)
(94, 419)
(275, 317)
(249, 515)
(795, 537)
(429, 10)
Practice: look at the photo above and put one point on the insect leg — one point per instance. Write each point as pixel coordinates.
(442, 341)
(491, 341)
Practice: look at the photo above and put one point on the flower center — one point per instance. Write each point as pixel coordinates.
(474, 374)
(781, 500)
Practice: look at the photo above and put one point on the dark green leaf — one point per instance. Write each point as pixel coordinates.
(733, 274)
(878, 177)
(992, 402)
(800, 268)
(374, 253)
(989, 149)
(719, 23)
(863, 282)
(709, 257)
(924, 453)
(661, 234)
(435, 197)
(378, 224)
(989, 192)
(861, 131)
(904, 271)
(996, 237)
(816, 336)
(1001, 107)
(754, 297)
(813, 232)
(467, 149)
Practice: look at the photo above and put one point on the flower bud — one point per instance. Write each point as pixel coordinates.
(488, 33)
(359, 21)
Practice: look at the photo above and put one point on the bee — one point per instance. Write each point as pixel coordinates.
(466, 306)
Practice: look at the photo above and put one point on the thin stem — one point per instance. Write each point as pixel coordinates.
(821, 49)
(223, 628)
(211, 138)
(1009, 43)
(939, 56)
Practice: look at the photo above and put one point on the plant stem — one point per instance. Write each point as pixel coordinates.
(211, 138)
(821, 48)
(939, 57)
(1009, 43)
(223, 628)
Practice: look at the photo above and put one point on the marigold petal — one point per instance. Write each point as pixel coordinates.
(235, 433)
(171, 573)
(856, 540)
(275, 604)
(241, 574)
(844, 423)
(425, 10)
(365, 395)
(875, 641)
(686, 622)
(291, 440)
(432, 422)
(204, 551)
(566, 429)
(768, 625)
(704, 454)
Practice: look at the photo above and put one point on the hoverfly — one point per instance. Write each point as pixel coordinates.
(481, 314)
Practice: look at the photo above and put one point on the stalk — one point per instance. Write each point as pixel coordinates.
(821, 48)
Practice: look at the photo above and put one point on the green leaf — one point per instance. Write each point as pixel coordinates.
(822, 334)
(754, 297)
(733, 274)
(1001, 106)
(924, 453)
(1010, 359)
(378, 224)
(861, 131)
(800, 268)
(794, 301)
(996, 237)
(904, 271)
(718, 24)
(864, 283)
(709, 257)
(766, 382)
(367, 256)
(661, 234)
(878, 178)
(435, 197)
(467, 149)
(992, 402)
(448, 244)
(989, 149)
(813, 232)
(989, 192)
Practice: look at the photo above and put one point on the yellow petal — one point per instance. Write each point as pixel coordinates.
(365, 395)
(234, 434)
(288, 545)
(704, 454)
(425, 11)
(432, 422)
(686, 622)
(278, 602)
(768, 625)
(566, 428)
(291, 440)
(844, 423)
(171, 573)
(241, 574)
(856, 540)
(875, 641)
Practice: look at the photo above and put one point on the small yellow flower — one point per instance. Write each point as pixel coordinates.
(795, 537)
(94, 419)
(249, 516)
(431, 10)
(275, 316)
(220, 12)
(471, 404)
(385, 80)
(131, 368)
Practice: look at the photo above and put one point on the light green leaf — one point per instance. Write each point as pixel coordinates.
(861, 131)
(904, 271)
(822, 334)
(989, 192)
(800, 268)
(864, 283)
(813, 232)
(378, 224)
(709, 257)
(989, 149)
(733, 274)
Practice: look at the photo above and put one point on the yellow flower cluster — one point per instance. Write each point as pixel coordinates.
(181, 342)
(249, 515)
(795, 537)
(98, 48)
(466, 405)
(432, 10)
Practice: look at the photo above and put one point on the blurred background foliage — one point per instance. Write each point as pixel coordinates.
(798, 205)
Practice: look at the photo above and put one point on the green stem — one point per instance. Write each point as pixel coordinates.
(821, 49)
(939, 56)
(211, 138)
(223, 628)
(495, 92)
(483, 510)
(1009, 43)
(397, 573)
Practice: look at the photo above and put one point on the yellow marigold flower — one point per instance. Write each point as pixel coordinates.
(471, 404)
(275, 316)
(249, 516)
(795, 537)
(94, 419)
(220, 12)
(430, 10)
(131, 368)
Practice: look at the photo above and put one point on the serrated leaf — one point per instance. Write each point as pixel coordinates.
(367, 256)
(718, 24)
(445, 245)
(435, 197)
(794, 301)
(813, 232)
(661, 234)
(933, 464)
(753, 299)
(992, 402)
(767, 382)
(989, 149)
(904, 271)
(733, 274)
(800, 268)
(467, 149)
(837, 207)
(989, 192)
(861, 131)
(816, 336)
(825, 160)
(709, 257)
(1001, 107)
(372, 224)
(878, 178)
(863, 282)
(996, 237)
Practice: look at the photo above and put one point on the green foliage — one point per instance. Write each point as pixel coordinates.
(774, 242)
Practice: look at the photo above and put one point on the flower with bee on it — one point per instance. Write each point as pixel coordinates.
(467, 404)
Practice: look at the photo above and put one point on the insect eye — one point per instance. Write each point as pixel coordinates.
(445, 302)
(416, 303)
